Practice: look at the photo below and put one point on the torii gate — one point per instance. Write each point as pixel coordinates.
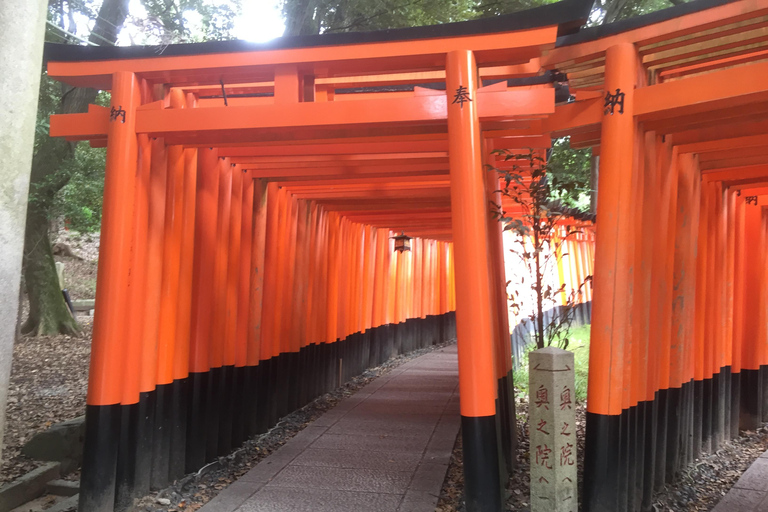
(312, 149)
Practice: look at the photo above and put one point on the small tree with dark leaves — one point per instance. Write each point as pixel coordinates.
(540, 235)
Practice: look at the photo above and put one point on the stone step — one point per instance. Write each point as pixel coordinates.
(62, 487)
(28, 487)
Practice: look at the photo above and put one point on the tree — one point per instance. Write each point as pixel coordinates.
(52, 168)
(304, 17)
(540, 235)
(186, 21)
(572, 166)
(67, 178)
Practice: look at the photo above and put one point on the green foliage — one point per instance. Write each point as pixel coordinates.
(580, 348)
(568, 165)
(79, 202)
(364, 15)
(497, 7)
(188, 21)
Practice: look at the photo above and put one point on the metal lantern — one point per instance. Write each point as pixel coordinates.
(402, 242)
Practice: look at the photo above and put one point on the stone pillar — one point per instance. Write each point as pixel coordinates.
(552, 428)
(22, 25)
(60, 273)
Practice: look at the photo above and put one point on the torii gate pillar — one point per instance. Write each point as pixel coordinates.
(608, 392)
(474, 319)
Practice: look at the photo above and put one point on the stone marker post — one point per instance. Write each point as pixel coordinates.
(552, 428)
(60, 273)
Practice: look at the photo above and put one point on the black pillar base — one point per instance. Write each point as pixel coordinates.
(99, 469)
(125, 476)
(482, 481)
(161, 445)
(751, 403)
(601, 459)
(196, 421)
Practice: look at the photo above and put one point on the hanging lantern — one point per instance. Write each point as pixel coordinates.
(402, 242)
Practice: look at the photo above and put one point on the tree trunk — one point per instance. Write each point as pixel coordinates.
(48, 313)
(299, 18)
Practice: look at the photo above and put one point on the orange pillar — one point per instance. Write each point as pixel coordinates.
(256, 380)
(206, 221)
(474, 315)
(110, 326)
(230, 409)
(218, 425)
(751, 385)
(613, 266)
(133, 456)
(179, 398)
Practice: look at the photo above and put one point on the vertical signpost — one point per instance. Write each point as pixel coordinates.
(552, 427)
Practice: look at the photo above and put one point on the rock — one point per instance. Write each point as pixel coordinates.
(163, 501)
(62, 249)
(63, 442)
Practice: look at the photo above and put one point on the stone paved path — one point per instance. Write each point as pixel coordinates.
(750, 493)
(386, 448)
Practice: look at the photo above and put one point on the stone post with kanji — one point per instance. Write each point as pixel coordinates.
(552, 428)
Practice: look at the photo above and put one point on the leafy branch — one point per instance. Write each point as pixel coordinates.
(541, 232)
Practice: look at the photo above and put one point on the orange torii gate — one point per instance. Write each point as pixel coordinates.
(250, 186)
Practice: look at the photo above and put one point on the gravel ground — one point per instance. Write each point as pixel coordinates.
(708, 479)
(195, 490)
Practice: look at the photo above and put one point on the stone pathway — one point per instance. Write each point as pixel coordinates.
(386, 448)
(750, 493)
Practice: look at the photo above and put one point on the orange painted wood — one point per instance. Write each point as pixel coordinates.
(609, 314)
(174, 211)
(474, 319)
(217, 351)
(233, 266)
(244, 307)
(186, 264)
(138, 284)
(110, 324)
(154, 270)
(206, 222)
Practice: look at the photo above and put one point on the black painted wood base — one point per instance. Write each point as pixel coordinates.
(634, 454)
(482, 479)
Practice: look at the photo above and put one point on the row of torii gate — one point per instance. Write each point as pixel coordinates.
(252, 191)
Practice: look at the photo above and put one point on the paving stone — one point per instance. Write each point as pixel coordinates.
(387, 443)
(353, 459)
(419, 501)
(742, 500)
(307, 436)
(365, 480)
(756, 477)
(384, 449)
(315, 500)
(429, 477)
(232, 497)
